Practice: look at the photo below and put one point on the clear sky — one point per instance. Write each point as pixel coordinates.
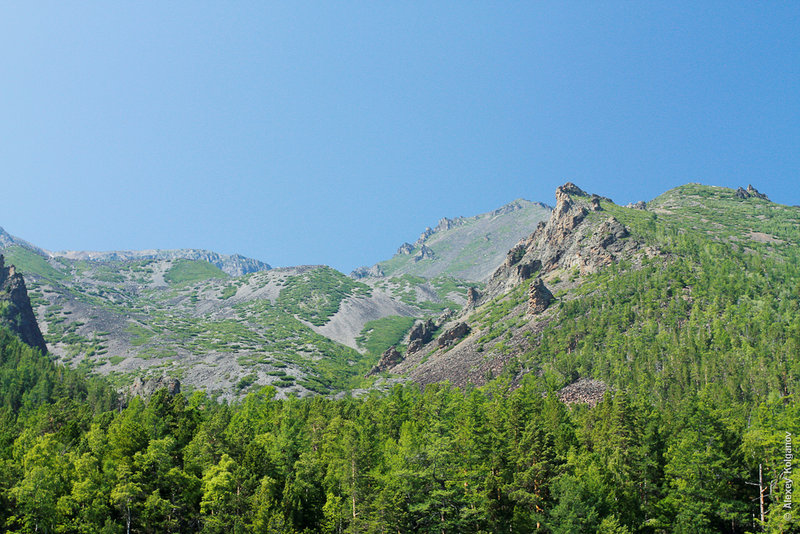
(331, 132)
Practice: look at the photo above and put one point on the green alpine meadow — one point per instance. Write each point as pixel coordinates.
(581, 368)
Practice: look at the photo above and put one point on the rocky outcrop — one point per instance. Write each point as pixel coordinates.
(539, 297)
(453, 334)
(641, 205)
(596, 203)
(609, 233)
(16, 312)
(405, 249)
(750, 192)
(420, 334)
(445, 316)
(425, 253)
(446, 224)
(389, 359)
(570, 239)
(472, 297)
(367, 272)
(146, 388)
(423, 237)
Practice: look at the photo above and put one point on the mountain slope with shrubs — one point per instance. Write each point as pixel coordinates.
(624, 370)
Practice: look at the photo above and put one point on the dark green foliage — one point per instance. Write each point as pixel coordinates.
(699, 343)
(438, 460)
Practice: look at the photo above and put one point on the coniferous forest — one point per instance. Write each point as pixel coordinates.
(699, 346)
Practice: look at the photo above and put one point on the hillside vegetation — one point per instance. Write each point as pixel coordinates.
(683, 316)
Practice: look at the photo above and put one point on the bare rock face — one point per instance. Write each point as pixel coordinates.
(424, 253)
(641, 205)
(453, 334)
(420, 334)
(367, 272)
(608, 233)
(16, 312)
(445, 316)
(424, 236)
(472, 297)
(596, 203)
(539, 297)
(406, 249)
(388, 359)
(570, 239)
(146, 388)
(750, 192)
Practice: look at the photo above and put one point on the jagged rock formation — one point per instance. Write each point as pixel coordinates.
(445, 316)
(423, 236)
(453, 334)
(146, 388)
(425, 253)
(389, 359)
(575, 241)
(750, 192)
(539, 297)
(472, 297)
(16, 312)
(641, 205)
(367, 272)
(420, 334)
(561, 243)
(405, 248)
(447, 224)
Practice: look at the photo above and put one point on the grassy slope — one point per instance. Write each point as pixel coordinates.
(718, 309)
(28, 262)
(183, 271)
(472, 250)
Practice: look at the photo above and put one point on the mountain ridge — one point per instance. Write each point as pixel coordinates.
(463, 247)
(231, 264)
(583, 265)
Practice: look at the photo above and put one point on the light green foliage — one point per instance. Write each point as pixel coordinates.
(183, 271)
(699, 344)
(28, 262)
(380, 334)
(141, 334)
(316, 294)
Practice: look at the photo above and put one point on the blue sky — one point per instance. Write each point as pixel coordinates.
(331, 132)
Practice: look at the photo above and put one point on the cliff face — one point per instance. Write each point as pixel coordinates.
(566, 241)
(16, 312)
